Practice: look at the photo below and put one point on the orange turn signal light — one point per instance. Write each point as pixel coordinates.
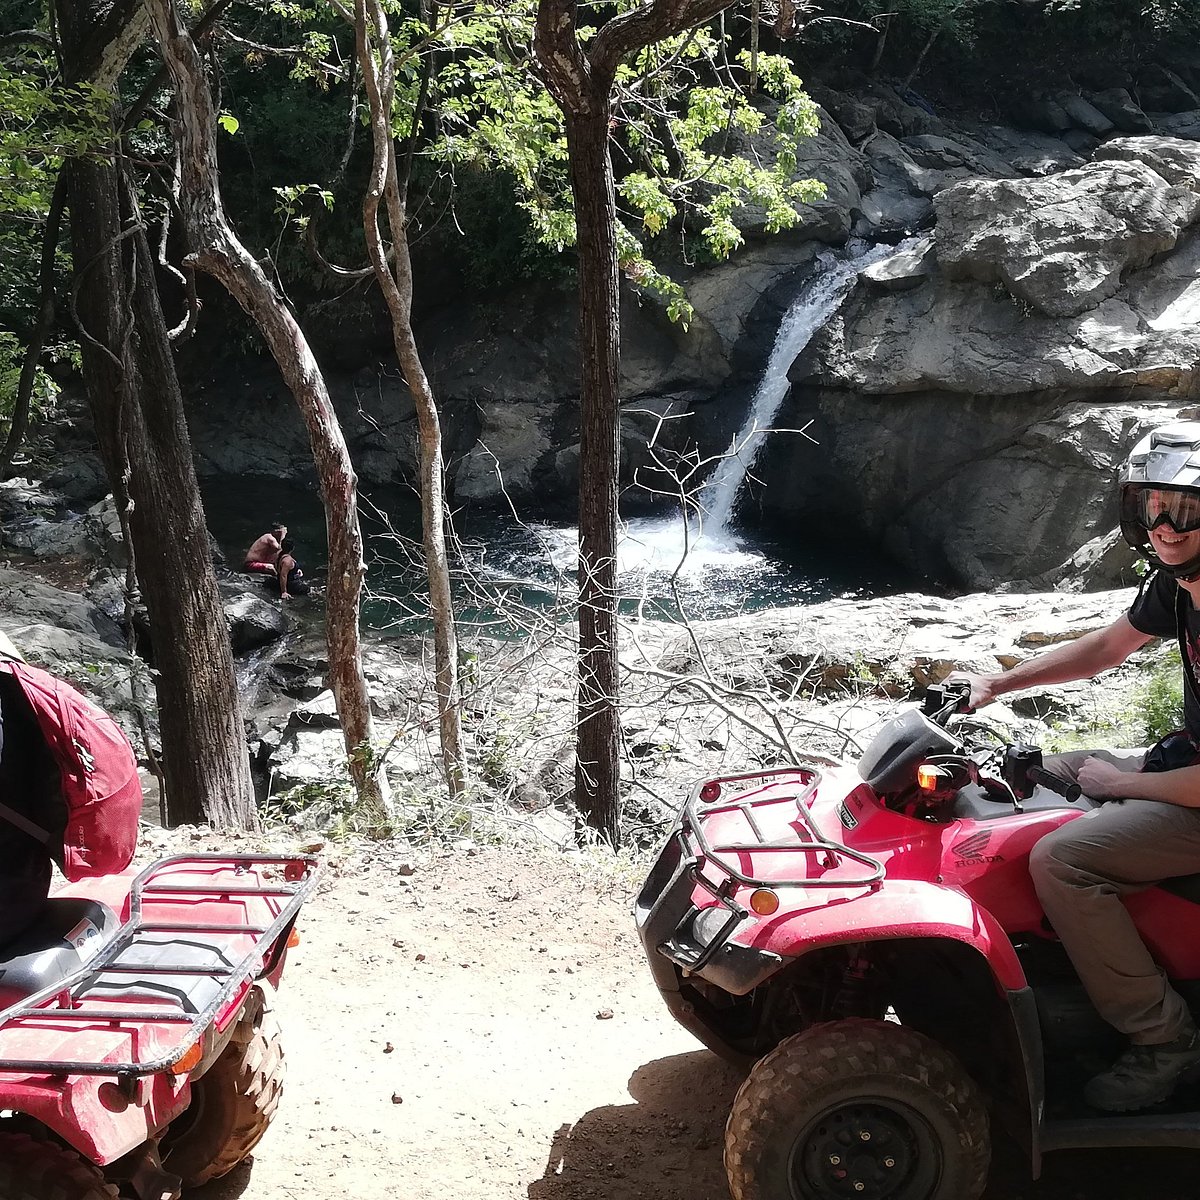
(928, 777)
(293, 939)
(189, 1059)
(764, 902)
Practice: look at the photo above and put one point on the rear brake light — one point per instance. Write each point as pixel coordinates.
(710, 792)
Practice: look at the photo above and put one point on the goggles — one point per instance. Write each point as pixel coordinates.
(1150, 507)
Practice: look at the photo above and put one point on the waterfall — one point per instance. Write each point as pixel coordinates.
(816, 303)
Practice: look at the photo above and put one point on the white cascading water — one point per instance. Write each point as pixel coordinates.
(706, 549)
(808, 313)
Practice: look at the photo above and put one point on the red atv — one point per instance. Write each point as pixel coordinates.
(871, 940)
(138, 1049)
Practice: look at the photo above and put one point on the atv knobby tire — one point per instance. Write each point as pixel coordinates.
(32, 1169)
(232, 1104)
(857, 1102)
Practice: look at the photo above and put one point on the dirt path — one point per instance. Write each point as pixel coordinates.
(485, 1030)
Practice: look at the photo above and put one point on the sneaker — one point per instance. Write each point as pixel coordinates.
(1144, 1075)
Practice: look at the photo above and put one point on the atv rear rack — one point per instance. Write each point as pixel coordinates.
(75, 1000)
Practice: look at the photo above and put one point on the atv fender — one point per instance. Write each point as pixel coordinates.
(899, 909)
(910, 909)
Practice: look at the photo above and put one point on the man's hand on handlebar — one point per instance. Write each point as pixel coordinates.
(983, 687)
(1102, 781)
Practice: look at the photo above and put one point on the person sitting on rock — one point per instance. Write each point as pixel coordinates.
(289, 573)
(1083, 869)
(260, 558)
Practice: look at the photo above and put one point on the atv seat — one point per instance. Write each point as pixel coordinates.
(1186, 886)
(62, 938)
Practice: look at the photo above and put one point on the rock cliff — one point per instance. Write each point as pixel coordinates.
(971, 400)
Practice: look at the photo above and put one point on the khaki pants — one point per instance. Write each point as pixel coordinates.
(1082, 869)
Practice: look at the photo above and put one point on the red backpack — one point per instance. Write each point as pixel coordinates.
(100, 788)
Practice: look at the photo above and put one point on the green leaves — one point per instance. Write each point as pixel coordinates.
(45, 390)
(689, 144)
(692, 149)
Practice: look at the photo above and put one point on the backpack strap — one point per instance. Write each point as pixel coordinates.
(24, 824)
(1189, 672)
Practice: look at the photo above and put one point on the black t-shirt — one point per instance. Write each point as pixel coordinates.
(29, 779)
(1153, 612)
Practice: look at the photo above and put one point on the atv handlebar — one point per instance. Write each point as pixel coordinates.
(1056, 783)
(1023, 771)
(1022, 768)
(943, 700)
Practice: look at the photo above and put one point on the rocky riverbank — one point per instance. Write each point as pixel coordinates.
(712, 697)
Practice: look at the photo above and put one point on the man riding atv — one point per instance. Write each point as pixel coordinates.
(1151, 830)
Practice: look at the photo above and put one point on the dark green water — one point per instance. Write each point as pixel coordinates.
(511, 574)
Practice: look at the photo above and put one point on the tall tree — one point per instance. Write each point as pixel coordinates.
(393, 273)
(581, 77)
(138, 410)
(215, 248)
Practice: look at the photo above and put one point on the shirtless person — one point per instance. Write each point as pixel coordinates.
(260, 558)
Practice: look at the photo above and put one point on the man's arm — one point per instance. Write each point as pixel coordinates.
(1083, 658)
(1103, 781)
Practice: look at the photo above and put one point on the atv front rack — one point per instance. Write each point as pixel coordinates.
(266, 889)
(705, 802)
(669, 920)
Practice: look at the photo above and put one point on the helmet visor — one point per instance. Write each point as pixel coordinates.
(1150, 507)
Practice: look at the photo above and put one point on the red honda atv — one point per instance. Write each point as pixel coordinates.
(871, 940)
(139, 1053)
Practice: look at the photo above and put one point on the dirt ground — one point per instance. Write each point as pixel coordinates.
(485, 1028)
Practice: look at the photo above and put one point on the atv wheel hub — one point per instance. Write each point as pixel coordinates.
(885, 1151)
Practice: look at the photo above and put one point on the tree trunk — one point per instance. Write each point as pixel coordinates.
(217, 250)
(597, 763)
(371, 38)
(41, 327)
(582, 85)
(138, 411)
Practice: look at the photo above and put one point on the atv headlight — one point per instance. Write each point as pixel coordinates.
(708, 923)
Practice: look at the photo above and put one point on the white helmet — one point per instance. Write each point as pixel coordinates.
(1166, 459)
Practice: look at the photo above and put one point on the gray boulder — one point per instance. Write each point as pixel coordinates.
(856, 120)
(1121, 109)
(1040, 113)
(28, 601)
(1159, 89)
(1177, 161)
(1026, 151)
(1064, 243)
(1084, 114)
(957, 157)
(886, 212)
(1178, 125)
(252, 620)
(908, 268)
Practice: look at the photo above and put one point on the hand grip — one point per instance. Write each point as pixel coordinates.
(1056, 783)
